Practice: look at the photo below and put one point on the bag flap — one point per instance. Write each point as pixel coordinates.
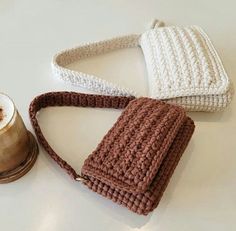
(182, 62)
(131, 153)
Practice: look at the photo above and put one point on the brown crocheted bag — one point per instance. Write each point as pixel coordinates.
(133, 163)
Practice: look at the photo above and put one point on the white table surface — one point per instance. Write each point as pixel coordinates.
(202, 191)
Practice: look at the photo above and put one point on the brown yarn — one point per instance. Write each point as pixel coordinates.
(69, 99)
(135, 160)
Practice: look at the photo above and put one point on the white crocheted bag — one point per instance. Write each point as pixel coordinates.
(183, 67)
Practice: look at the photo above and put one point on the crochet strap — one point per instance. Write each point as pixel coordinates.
(91, 82)
(70, 99)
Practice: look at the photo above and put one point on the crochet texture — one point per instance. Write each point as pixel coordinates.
(183, 67)
(133, 163)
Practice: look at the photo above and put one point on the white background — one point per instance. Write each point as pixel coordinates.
(202, 192)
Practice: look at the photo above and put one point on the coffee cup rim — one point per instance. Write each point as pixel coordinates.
(12, 116)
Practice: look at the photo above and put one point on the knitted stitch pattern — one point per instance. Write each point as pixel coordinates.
(145, 202)
(131, 153)
(136, 158)
(69, 99)
(183, 67)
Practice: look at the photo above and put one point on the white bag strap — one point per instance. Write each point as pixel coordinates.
(91, 82)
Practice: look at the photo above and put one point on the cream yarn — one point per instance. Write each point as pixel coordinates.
(183, 67)
(91, 82)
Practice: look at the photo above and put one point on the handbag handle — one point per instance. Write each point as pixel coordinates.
(70, 99)
(91, 82)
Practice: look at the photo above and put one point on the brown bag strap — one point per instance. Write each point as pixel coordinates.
(70, 99)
